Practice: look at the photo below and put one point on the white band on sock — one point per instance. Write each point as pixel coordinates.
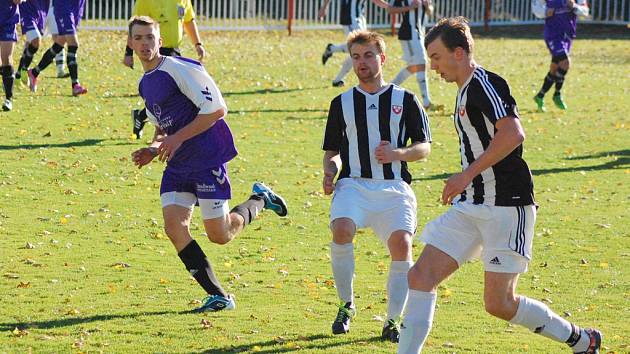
(418, 321)
(397, 288)
(342, 260)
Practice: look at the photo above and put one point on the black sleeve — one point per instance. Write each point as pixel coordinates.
(491, 94)
(333, 133)
(416, 120)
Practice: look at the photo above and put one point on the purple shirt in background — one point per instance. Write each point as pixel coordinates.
(9, 13)
(563, 23)
(175, 92)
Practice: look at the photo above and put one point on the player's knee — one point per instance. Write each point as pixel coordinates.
(400, 242)
(34, 43)
(220, 238)
(502, 306)
(420, 278)
(343, 231)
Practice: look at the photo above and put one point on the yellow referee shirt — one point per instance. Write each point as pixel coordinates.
(170, 14)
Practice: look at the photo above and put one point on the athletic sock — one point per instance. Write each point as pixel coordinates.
(338, 48)
(560, 74)
(342, 260)
(345, 69)
(397, 288)
(549, 80)
(27, 56)
(418, 321)
(197, 264)
(402, 75)
(59, 60)
(421, 77)
(538, 318)
(47, 58)
(250, 208)
(7, 80)
(73, 67)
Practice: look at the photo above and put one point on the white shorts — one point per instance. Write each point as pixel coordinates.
(413, 52)
(51, 22)
(210, 208)
(32, 35)
(501, 236)
(384, 206)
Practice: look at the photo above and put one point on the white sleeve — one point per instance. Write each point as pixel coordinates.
(539, 9)
(151, 117)
(199, 87)
(581, 8)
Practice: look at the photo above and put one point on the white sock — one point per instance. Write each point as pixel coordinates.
(342, 259)
(421, 77)
(338, 48)
(418, 321)
(397, 288)
(345, 69)
(402, 75)
(59, 59)
(539, 318)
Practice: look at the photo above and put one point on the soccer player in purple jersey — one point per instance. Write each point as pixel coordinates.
(183, 101)
(492, 213)
(560, 26)
(9, 17)
(68, 16)
(33, 20)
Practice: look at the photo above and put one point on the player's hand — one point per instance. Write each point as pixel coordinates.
(453, 186)
(128, 61)
(327, 182)
(384, 152)
(550, 11)
(169, 146)
(143, 156)
(201, 52)
(17, 2)
(322, 13)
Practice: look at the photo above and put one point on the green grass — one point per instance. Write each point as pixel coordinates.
(75, 212)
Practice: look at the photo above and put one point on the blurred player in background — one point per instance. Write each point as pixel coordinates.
(9, 17)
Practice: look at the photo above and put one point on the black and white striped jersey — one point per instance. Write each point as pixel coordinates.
(358, 121)
(482, 100)
(412, 24)
(352, 12)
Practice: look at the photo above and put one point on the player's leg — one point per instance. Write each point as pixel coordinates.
(342, 261)
(404, 73)
(176, 224)
(46, 59)
(60, 58)
(6, 68)
(399, 245)
(346, 67)
(72, 41)
(451, 240)
(563, 62)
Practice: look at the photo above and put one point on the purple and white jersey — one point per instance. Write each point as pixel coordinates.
(175, 92)
(563, 23)
(33, 15)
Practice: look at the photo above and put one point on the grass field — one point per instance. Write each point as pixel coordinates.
(85, 265)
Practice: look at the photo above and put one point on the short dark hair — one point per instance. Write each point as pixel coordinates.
(143, 21)
(366, 37)
(454, 32)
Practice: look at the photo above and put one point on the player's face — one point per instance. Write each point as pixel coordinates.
(367, 62)
(145, 42)
(443, 61)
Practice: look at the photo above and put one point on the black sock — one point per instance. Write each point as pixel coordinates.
(250, 208)
(27, 57)
(560, 73)
(143, 114)
(47, 58)
(197, 264)
(576, 334)
(71, 61)
(549, 80)
(7, 80)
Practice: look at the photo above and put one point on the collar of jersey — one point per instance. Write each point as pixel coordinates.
(385, 88)
(157, 67)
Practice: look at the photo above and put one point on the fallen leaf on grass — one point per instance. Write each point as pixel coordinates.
(19, 332)
(24, 285)
(205, 324)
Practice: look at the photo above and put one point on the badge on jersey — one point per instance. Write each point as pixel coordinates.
(462, 110)
(397, 109)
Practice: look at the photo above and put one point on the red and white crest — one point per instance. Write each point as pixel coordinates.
(462, 110)
(396, 109)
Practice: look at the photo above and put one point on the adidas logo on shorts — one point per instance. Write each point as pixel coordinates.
(495, 261)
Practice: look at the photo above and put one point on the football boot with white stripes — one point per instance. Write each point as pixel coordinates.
(214, 303)
(342, 321)
(339, 83)
(272, 200)
(595, 337)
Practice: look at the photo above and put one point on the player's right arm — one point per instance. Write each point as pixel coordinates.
(323, 10)
(331, 164)
(333, 136)
(414, 4)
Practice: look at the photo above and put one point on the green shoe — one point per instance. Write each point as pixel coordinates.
(557, 99)
(540, 103)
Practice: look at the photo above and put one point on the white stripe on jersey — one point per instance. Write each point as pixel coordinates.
(398, 95)
(492, 94)
(347, 105)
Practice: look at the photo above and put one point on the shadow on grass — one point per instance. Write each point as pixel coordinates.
(271, 90)
(86, 142)
(71, 321)
(621, 162)
(302, 343)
